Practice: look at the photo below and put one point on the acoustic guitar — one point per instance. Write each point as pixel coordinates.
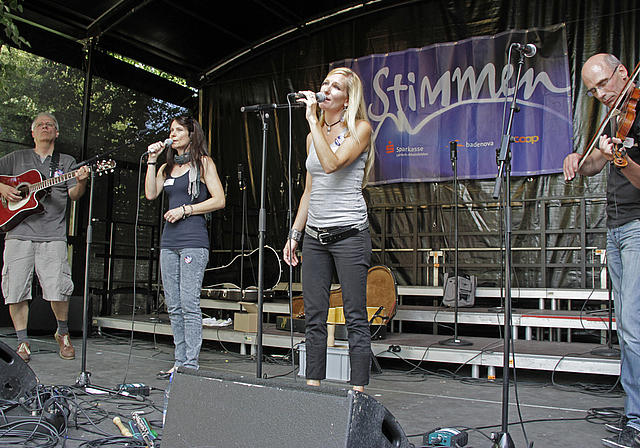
(33, 187)
(230, 273)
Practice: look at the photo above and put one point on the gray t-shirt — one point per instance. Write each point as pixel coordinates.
(50, 225)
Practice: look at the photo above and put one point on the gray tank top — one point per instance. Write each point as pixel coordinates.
(336, 199)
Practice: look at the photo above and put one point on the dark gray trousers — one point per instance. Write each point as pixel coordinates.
(350, 258)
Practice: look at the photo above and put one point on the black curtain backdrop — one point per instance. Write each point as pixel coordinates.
(236, 138)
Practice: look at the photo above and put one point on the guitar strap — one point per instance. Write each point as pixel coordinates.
(53, 165)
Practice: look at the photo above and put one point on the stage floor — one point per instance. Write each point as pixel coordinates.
(557, 409)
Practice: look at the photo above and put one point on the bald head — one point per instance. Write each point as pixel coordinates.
(600, 62)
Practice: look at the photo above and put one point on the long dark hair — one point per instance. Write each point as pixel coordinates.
(197, 148)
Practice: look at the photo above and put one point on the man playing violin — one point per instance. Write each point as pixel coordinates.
(605, 78)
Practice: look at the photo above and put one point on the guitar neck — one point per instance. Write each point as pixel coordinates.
(51, 182)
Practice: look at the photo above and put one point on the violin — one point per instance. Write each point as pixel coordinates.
(625, 124)
(630, 115)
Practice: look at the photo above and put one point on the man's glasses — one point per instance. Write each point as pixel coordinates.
(602, 84)
(42, 125)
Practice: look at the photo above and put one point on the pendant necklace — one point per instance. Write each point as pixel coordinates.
(329, 126)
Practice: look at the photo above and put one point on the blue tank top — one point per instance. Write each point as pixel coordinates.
(184, 233)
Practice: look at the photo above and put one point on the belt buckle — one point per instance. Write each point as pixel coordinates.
(322, 236)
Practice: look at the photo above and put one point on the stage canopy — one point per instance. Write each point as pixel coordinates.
(196, 40)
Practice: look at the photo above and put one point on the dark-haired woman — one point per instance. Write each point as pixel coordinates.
(333, 216)
(192, 185)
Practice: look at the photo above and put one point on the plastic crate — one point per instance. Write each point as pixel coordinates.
(338, 367)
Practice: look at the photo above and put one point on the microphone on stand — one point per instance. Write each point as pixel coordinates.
(167, 144)
(320, 97)
(529, 50)
(241, 176)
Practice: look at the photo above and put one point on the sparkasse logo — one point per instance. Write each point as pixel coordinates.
(390, 148)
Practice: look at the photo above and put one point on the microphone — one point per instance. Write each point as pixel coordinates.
(167, 144)
(453, 151)
(258, 108)
(320, 97)
(241, 176)
(529, 50)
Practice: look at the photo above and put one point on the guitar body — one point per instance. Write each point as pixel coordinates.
(231, 273)
(13, 213)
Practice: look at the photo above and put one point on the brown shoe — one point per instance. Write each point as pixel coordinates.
(24, 351)
(66, 349)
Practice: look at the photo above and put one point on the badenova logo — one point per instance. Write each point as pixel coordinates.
(478, 144)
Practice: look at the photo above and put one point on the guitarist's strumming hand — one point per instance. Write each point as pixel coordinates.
(9, 194)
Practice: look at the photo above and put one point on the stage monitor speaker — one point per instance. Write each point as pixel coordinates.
(207, 409)
(16, 377)
(466, 290)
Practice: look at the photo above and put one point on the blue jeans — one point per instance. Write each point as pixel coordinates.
(351, 258)
(182, 272)
(623, 258)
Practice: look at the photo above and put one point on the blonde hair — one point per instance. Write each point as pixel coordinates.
(356, 110)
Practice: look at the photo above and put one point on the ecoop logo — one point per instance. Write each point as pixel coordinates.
(528, 139)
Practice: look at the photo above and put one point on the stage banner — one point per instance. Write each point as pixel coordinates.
(421, 99)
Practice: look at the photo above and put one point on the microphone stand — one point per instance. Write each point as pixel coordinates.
(83, 377)
(157, 318)
(243, 188)
(263, 114)
(455, 341)
(608, 351)
(503, 439)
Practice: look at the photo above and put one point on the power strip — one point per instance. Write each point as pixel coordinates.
(446, 437)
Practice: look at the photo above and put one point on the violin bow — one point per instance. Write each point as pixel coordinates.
(614, 111)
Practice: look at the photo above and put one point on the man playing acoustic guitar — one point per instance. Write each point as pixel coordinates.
(40, 241)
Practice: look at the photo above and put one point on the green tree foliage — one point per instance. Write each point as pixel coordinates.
(117, 114)
(11, 32)
(10, 28)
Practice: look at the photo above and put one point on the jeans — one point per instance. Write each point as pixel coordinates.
(623, 258)
(182, 272)
(351, 258)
